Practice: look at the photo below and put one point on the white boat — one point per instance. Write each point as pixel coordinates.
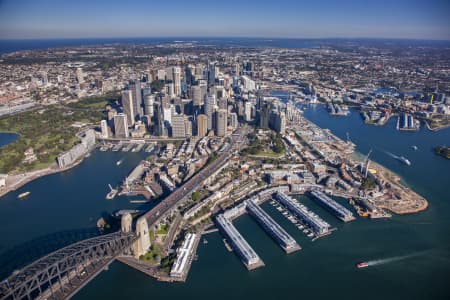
(23, 195)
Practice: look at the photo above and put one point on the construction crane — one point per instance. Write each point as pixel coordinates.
(366, 164)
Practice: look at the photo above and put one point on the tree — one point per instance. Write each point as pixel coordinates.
(157, 85)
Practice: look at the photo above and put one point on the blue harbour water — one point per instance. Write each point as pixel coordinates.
(323, 269)
(64, 207)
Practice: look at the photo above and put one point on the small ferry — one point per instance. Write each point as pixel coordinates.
(112, 193)
(23, 195)
(404, 160)
(363, 264)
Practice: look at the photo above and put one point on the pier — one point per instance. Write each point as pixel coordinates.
(248, 256)
(185, 256)
(309, 218)
(285, 241)
(335, 208)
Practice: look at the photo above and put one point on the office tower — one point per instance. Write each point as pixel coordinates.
(240, 108)
(160, 128)
(188, 127)
(128, 106)
(222, 103)
(135, 88)
(149, 101)
(210, 104)
(237, 70)
(259, 99)
(168, 111)
(197, 95)
(202, 125)
(248, 84)
(178, 126)
(104, 128)
(80, 75)
(176, 80)
(234, 120)
(121, 126)
(169, 89)
(161, 74)
(264, 114)
(221, 122)
(211, 74)
(279, 124)
(189, 73)
(248, 111)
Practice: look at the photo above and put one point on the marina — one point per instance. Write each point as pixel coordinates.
(248, 256)
(316, 224)
(331, 205)
(272, 228)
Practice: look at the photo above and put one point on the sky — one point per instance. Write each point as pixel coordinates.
(409, 19)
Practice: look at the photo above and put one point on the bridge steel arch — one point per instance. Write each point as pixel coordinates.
(60, 274)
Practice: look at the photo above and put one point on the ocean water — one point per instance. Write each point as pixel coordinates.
(8, 46)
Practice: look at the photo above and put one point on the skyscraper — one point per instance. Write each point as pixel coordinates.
(178, 126)
(202, 125)
(177, 80)
(234, 120)
(121, 126)
(197, 95)
(264, 114)
(149, 101)
(80, 75)
(211, 74)
(128, 106)
(188, 127)
(135, 88)
(160, 128)
(210, 104)
(221, 122)
(248, 111)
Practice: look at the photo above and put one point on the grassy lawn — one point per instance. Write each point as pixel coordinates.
(162, 229)
(152, 256)
(48, 131)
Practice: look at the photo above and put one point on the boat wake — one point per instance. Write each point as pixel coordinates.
(399, 158)
(378, 262)
(392, 155)
(119, 162)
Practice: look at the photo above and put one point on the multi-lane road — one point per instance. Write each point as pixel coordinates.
(192, 184)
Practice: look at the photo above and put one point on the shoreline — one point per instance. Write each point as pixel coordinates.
(27, 177)
(436, 128)
(418, 202)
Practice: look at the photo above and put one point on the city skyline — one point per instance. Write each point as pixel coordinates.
(283, 19)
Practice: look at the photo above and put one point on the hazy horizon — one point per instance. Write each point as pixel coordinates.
(383, 19)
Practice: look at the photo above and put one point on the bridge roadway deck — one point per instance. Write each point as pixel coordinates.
(168, 203)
